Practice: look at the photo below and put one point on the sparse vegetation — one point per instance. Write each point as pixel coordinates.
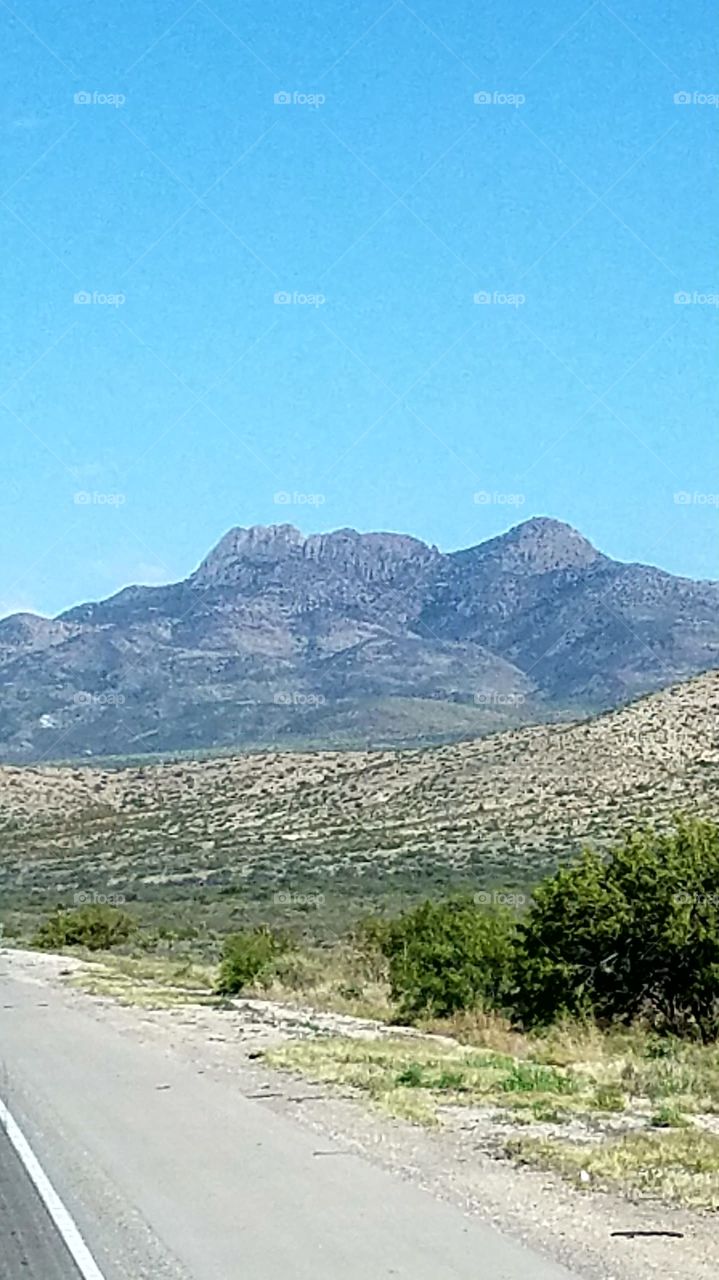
(224, 844)
(590, 1114)
(674, 1166)
(147, 982)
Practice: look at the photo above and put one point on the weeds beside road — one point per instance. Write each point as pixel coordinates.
(625, 1109)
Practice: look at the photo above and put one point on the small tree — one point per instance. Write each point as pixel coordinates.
(448, 956)
(248, 957)
(634, 934)
(94, 926)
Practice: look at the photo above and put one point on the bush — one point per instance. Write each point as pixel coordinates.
(248, 957)
(448, 956)
(632, 935)
(94, 926)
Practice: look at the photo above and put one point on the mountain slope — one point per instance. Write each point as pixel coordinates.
(344, 637)
(585, 627)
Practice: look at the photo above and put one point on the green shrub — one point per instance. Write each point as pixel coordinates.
(669, 1118)
(633, 935)
(532, 1077)
(448, 956)
(247, 958)
(93, 926)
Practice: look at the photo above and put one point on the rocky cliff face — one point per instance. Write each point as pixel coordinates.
(345, 636)
(369, 556)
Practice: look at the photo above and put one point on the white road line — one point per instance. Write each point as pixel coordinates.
(60, 1215)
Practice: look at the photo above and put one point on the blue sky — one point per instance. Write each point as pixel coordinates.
(184, 398)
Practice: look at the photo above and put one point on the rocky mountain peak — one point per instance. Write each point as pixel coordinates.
(239, 545)
(538, 545)
(30, 631)
(279, 544)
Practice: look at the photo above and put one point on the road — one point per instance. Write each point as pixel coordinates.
(171, 1174)
(30, 1246)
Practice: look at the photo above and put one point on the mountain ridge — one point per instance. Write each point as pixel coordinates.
(343, 637)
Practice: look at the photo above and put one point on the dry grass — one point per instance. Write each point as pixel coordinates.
(340, 979)
(484, 1030)
(146, 982)
(679, 1167)
(438, 1073)
(651, 1100)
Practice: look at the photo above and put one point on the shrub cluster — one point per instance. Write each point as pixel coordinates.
(96, 927)
(248, 958)
(631, 935)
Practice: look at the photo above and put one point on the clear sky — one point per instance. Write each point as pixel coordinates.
(381, 198)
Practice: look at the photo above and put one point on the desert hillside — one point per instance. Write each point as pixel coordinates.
(518, 800)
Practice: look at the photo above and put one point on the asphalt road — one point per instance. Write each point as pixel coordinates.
(30, 1246)
(171, 1174)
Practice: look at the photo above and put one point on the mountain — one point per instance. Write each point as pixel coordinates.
(502, 807)
(584, 627)
(345, 637)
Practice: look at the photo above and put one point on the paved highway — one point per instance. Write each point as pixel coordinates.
(170, 1174)
(30, 1246)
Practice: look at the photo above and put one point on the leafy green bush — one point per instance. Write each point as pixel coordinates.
(632, 935)
(448, 956)
(94, 926)
(248, 957)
